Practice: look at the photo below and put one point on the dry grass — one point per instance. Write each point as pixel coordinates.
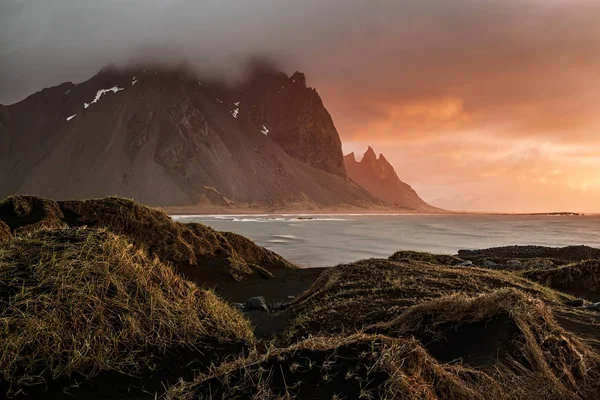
(349, 297)
(5, 233)
(183, 245)
(28, 213)
(439, 259)
(511, 336)
(80, 302)
(356, 367)
(580, 278)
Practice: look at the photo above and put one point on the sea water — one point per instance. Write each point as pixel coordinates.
(327, 240)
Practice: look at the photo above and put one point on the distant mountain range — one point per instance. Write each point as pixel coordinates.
(165, 137)
(378, 176)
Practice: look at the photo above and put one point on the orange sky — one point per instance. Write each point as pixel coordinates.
(491, 114)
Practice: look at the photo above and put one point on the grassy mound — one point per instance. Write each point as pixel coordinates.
(500, 254)
(348, 297)
(511, 336)
(183, 245)
(581, 279)
(78, 302)
(5, 233)
(28, 213)
(356, 367)
(440, 259)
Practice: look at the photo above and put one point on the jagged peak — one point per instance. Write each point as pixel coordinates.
(298, 78)
(370, 154)
(351, 156)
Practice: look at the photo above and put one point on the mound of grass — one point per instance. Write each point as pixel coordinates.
(440, 259)
(349, 297)
(564, 254)
(186, 246)
(78, 302)
(28, 213)
(5, 233)
(580, 279)
(356, 367)
(510, 335)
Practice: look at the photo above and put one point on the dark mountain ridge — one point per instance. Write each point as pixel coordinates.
(164, 136)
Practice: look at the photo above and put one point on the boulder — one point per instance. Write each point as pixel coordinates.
(256, 303)
(489, 264)
(514, 264)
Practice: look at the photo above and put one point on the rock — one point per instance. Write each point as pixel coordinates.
(277, 306)
(307, 133)
(489, 264)
(240, 306)
(515, 264)
(465, 264)
(256, 303)
(575, 303)
(540, 264)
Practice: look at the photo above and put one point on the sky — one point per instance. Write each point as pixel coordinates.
(481, 105)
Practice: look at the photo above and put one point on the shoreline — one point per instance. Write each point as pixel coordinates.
(242, 212)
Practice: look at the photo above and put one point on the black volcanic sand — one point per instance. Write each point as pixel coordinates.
(276, 290)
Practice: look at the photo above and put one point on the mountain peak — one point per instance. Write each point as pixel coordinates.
(370, 154)
(350, 157)
(378, 176)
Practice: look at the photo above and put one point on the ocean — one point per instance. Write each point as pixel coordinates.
(327, 240)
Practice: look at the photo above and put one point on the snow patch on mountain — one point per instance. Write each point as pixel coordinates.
(101, 93)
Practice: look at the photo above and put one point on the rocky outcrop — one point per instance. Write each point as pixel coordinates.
(293, 115)
(167, 137)
(378, 176)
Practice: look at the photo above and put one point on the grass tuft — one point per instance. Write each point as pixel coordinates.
(510, 335)
(579, 278)
(78, 301)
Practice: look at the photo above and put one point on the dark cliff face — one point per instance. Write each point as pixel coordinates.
(293, 115)
(378, 176)
(166, 137)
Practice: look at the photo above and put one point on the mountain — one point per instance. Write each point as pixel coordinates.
(378, 176)
(166, 137)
